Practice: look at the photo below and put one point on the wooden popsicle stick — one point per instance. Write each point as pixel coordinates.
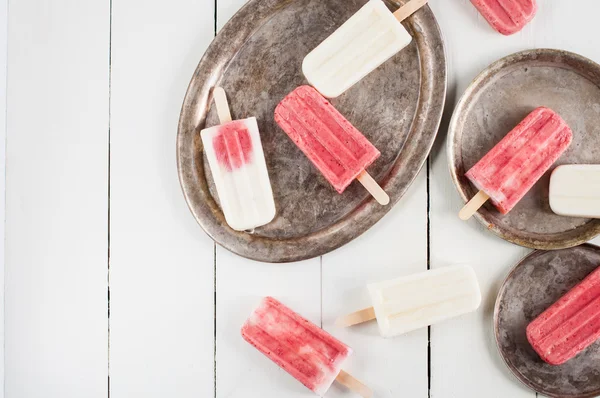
(474, 204)
(408, 9)
(374, 189)
(356, 317)
(353, 384)
(222, 105)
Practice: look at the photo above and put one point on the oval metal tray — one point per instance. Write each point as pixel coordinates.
(257, 58)
(533, 285)
(500, 97)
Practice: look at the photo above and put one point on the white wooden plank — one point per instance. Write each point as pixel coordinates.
(3, 61)
(57, 200)
(242, 371)
(472, 45)
(161, 267)
(395, 246)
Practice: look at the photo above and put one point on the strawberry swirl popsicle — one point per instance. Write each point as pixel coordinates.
(333, 145)
(305, 351)
(507, 172)
(570, 325)
(507, 16)
(237, 163)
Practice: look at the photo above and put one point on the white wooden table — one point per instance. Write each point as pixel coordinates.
(95, 214)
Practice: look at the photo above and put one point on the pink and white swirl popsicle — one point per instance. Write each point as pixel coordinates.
(507, 172)
(308, 353)
(237, 163)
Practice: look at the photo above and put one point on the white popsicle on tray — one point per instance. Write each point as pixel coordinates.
(237, 163)
(419, 300)
(365, 41)
(575, 190)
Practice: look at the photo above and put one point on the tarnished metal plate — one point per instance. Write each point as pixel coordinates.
(497, 100)
(257, 58)
(538, 281)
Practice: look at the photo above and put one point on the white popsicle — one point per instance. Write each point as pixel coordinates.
(365, 41)
(415, 301)
(237, 163)
(575, 190)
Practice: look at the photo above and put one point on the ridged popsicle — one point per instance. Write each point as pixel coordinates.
(518, 161)
(237, 163)
(570, 325)
(331, 142)
(507, 16)
(305, 351)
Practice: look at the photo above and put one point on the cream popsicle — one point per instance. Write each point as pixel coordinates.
(570, 325)
(333, 145)
(237, 163)
(507, 16)
(415, 301)
(305, 351)
(365, 41)
(513, 166)
(575, 190)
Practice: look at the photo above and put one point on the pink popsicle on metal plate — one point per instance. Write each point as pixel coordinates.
(507, 16)
(515, 164)
(330, 141)
(570, 325)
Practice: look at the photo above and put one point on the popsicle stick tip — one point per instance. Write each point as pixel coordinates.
(221, 103)
(356, 317)
(220, 90)
(384, 200)
(473, 205)
(374, 188)
(346, 379)
(408, 9)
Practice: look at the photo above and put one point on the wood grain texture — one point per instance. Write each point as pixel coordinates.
(57, 200)
(161, 267)
(3, 79)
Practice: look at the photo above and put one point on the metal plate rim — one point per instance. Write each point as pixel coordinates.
(451, 146)
(367, 213)
(526, 382)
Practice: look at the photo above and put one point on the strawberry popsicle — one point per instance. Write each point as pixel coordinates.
(513, 166)
(333, 145)
(570, 325)
(237, 163)
(299, 347)
(507, 16)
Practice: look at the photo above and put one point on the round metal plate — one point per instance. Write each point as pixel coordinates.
(532, 286)
(494, 103)
(257, 58)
